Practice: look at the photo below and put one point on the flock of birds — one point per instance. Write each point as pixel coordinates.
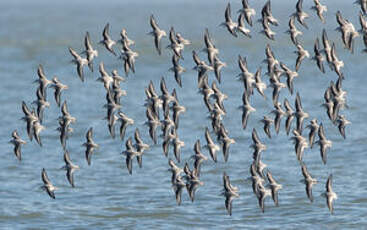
(161, 106)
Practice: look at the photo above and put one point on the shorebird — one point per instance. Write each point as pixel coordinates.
(130, 153)
(314, 129)
(262, 193)
(140, 145)
(259, 84)
(177, 69)
(199, 157)
(330, 194)
(246, 76)
(267, 123)
(267, 14)
(231, 26)
(293, 31)
(48, 187)
(279, 113)
(125, 121)
(70, 168)
(210, 47)
(327, 47)
(274, 186)
(267, 30)
(246, 109)
(290, 76)
(324, 143)
(175, 46)
(105, 78)
(107, 41)
(342, 122)
(124, 39)
(247, 11)
(300, 14)
(211, 146)
(320, 9)
(201, 67)
(17, 142)
(128, 56)
(308, 181)
(177, 111)
(42, 80)
(319, 58)
(177, 186)
(300, 144)
(290, 115)
(230, 192)
(302, 54)
(157, 33)
(300, 114)
(30, 117)
(257, 145)
(153, 122)
(363, 23)
(218, 65)
(79, 61)
(241, 25)
(59, 87)
(41, 103)
(89, 51)
(176, 171)
(90, 145)
(37, 128)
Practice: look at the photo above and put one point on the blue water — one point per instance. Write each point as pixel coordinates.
(106, 196)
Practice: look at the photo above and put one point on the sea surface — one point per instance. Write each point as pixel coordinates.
(106, 196)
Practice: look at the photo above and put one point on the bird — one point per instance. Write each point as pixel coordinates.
(290, 115)
(17, 142)
(300, 144)
(290, 76)
(267, 123)
(300, 114)
(262, 193)
(79, 61)
(42, 80)
(59, 87)
(210, 48)
(218, 65)
(309, 181)
(105, 77)
(274, 186)
(302, 54)
(342, 122)
(153, 122)
(107, 40)
(314, 128)
(48, 187)
(267, 14)
(157, 33)
(300, 14)
(128, 56)
(293, 31)
(37, 129)
(279, 113)
(41, 103)
(211, 146)
(124, 39)
(324, 143)
(30, 117)
(89, 51)
(320, 9)
(177, 69)
(259, 84)
(319, 58)
(130, 153)
(330, 194)
(90, 145)
(241, 25)
(231, 26)
(70, 168)
(229, 192)
(247, 11)
(125, 121)
(176, 171)
(246, 109)
(198, 157)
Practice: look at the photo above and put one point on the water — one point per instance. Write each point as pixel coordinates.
(105, 196)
